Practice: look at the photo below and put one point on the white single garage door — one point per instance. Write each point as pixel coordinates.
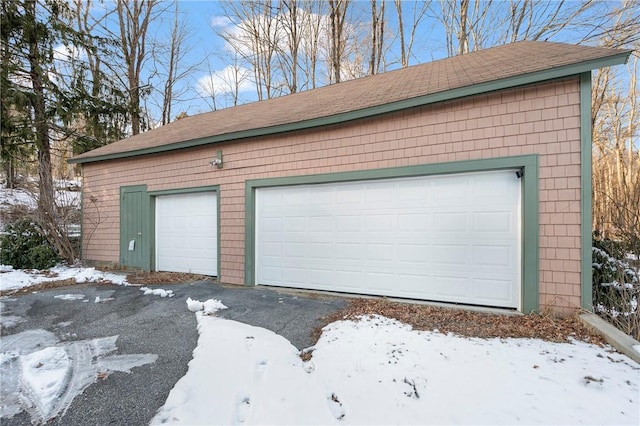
(451, 238)
(187, 233)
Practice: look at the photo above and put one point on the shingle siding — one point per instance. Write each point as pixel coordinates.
(542, 119)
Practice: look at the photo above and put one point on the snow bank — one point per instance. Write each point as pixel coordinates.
(257, 378)
(380, 371)
(14, 279)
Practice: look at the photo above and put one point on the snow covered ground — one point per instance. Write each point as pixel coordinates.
(379, 371)
(14, 279)
(371, 371)
(63, 197)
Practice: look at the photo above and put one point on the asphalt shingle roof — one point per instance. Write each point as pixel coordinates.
(485, 66)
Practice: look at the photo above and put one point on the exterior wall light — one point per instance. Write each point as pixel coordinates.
(218, 160)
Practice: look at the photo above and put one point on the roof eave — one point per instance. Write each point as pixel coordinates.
(461, 92)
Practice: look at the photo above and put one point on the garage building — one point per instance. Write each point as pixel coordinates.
(465, 180)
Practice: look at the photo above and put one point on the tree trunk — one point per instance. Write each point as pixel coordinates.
(403, 54)
(463, 35)
(46, 213)
(45, 201)
(337, 15)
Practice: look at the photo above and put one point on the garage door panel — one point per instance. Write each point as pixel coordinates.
(348, 223)
(413, 254)
(378, 252)
(320, 223)
(491, 289)
(450, 254)
(451, 286)
(494, 255)
(271, 274)
(378, 281)
(347, 197)
(294, 275)
(450, 222)
(186, 233)
(496, 221)
(412, 222)
(347, 251)
(420, 237)
(320, 277)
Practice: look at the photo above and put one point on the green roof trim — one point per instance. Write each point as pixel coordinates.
(475, 89)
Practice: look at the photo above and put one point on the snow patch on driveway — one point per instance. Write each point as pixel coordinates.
(42, 376)
(70, 296)
(157, 292)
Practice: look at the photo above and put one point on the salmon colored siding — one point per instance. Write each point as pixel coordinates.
(542, 119)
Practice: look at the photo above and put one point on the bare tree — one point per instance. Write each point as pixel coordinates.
(465, 24)
(312, 27)
(292, 23)
(177, 39)
(418, 13)
(377, 36)
(174, 61)
(134, 17)
(220, 89)
(616, 163)
(471, 25)
(255, 39)
(99, 55)
(337, 17)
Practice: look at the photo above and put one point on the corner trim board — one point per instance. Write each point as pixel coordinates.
(586, 295)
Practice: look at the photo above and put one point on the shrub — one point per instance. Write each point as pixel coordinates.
(24, 246)
(616, 286)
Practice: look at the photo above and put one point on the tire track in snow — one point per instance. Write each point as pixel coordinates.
(37, 390)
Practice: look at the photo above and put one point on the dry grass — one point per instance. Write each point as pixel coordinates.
(151, 278)
(470, 323)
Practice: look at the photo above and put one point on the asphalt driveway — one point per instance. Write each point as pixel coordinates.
(149, 324)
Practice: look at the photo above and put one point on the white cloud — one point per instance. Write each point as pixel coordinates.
(223, 82)
(220, 21)
(67, 53)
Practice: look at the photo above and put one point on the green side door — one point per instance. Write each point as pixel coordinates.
(135, 229)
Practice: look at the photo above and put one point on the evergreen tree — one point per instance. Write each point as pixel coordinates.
(47, 97)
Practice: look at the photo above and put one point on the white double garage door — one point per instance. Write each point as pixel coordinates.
(450, 238)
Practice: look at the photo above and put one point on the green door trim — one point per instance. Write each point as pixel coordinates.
(145, 245)
(586, 295)
(180, 191)
(530, 207)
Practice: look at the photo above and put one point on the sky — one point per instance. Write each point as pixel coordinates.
(206, 50)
